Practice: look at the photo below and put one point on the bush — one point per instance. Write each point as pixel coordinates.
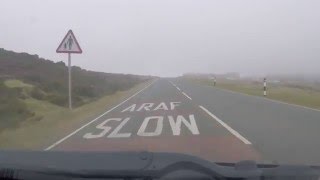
(52, 78)
(58, 99)
(85, 91)
(77, 101)
(36, 93)
(12, 109)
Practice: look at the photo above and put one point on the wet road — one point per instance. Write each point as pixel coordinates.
(174, 115)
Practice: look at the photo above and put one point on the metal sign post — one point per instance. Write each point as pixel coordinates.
(69, 74)
(264, 86)
(69, 45)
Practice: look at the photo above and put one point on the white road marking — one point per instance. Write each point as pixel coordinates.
(272, 100)
(172, 84)
(174, 105)
(156, 132)
(181, 91)
(103, 127)
(232, 131)
(145, 106)
(186, 95)
(161, 106)
(115, 133)
(175, 86)
(130, 108)
(176, 124)
(74, 132)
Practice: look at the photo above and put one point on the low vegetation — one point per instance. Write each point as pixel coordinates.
(53, 122)
(12, 107)
(31, 86)
(300, 94)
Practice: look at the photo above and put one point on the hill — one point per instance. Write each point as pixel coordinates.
(24, 77)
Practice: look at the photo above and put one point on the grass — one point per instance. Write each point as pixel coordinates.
(303, 96)
(14, 83)
(52, 122)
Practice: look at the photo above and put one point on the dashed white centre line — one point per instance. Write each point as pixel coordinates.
(173, 84)
(186, 95)
(232, 131)
(90, 122)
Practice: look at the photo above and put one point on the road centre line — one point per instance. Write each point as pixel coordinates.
(232, 131)
(175, 86)
(186, 95)
(97, 118)
(172, 83)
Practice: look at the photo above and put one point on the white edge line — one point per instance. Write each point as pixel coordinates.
(74, 132)
(271, 100)
(296, 105)
(178, 88)
(232, 131)
(186, 95)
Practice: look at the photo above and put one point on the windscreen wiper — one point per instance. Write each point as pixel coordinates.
(127, 165)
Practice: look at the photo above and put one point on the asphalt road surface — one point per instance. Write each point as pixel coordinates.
(175, 115)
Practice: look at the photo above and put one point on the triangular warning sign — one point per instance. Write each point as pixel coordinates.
(69, 44)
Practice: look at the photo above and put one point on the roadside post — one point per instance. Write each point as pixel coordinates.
(69, 45)
(264, 86)
(214, 80)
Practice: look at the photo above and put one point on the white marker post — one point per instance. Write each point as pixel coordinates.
(214, 80)
(264, 86)
(69, 45)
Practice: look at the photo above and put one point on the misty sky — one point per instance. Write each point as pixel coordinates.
(170, 37)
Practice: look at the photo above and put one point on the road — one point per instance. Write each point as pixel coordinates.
(175, 115)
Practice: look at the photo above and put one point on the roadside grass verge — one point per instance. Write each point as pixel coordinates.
(14, 83)
(51, 122)
(304, 96)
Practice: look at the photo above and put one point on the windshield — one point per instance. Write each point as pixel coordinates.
(221, 80)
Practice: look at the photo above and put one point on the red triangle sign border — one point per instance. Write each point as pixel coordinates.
(65, 37)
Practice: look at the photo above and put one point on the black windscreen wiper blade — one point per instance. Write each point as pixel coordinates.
(134, 164)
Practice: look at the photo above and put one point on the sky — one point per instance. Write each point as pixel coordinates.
(170, 37)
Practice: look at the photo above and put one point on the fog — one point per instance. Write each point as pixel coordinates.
(170, 37)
